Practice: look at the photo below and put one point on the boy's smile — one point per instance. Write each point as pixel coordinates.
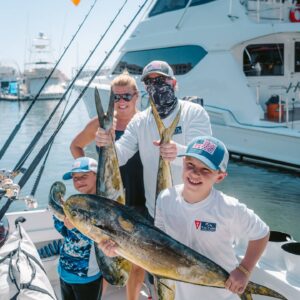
(198, 179)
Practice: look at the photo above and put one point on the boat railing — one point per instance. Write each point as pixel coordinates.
(269, 10)
(287, 110)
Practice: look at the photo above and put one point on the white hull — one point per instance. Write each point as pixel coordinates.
(224, 31)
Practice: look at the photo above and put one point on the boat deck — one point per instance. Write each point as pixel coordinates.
(111, 293)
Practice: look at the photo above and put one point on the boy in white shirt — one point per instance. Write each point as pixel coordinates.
(208, 221)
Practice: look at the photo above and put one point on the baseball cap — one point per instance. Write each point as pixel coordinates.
(211, 151)
(82, 165)
(159, 67)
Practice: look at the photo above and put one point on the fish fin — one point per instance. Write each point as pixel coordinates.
(165, 288)
(57, 192)
(246, 296)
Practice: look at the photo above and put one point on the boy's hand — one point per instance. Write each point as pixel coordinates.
(103, 138)
(237, 282)
(168, 151)
(108, 247)
(68, 224)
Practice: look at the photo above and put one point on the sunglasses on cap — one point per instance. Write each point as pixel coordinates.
(126, 97)
(156, 81)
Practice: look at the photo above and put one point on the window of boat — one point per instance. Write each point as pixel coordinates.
(264, 60)
(297, 57)
(182, 59)
(163, 6)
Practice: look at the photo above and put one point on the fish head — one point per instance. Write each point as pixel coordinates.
(91, 215)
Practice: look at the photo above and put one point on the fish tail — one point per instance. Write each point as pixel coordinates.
(159, 123)
(258, 289)
(110, 109)
(99, 108)
(168, 132)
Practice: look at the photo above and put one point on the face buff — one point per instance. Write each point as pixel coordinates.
(164, 98)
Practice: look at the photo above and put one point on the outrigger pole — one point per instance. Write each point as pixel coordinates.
(44, 149)
(38, 135)
(18, 126)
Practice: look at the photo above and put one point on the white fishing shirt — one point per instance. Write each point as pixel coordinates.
(142, 131)
(210, 227)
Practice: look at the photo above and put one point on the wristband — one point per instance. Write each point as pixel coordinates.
(243, 270)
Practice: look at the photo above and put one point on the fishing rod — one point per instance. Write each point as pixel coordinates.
(38, 135)
(16, 187)
(18, 126)
(30, 199)
(43, 150)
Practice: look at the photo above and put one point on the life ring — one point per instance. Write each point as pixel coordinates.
(295, 14)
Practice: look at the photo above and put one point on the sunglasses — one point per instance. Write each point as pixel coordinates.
(156, 81)
(126, 97)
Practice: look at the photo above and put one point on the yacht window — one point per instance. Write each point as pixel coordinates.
(163, 6)
(182, 59)
(264, 60)
(297, 57)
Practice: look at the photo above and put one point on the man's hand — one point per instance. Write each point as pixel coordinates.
(103, 138)
(108, 247)
(168, 151)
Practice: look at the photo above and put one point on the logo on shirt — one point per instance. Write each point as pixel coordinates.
(178, 130)
(205, 226)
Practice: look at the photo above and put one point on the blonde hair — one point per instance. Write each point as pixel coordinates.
(125, 79)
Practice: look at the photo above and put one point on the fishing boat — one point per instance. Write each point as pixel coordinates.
(38, 69)
(242, 58)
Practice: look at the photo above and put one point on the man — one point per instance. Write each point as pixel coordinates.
(80, 277)
(142, 135)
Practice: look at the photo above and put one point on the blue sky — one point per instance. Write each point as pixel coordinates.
(22, 20)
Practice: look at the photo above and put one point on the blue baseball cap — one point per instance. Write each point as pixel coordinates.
(159, 67)
(211, 151)
(82, 165)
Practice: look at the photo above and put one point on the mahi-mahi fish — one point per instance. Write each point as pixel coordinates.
(112, 270)
(109, 184)
(147, 246)
(165, 289)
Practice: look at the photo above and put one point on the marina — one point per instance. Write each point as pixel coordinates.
(273, 193)
(248, 81)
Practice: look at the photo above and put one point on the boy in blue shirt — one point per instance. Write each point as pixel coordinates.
(80, 277)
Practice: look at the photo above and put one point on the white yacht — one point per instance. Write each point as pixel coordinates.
(38, 69)
(242, 57)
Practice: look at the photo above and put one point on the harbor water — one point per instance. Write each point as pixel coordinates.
(273, 193)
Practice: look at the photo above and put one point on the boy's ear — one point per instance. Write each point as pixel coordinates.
(221, 177)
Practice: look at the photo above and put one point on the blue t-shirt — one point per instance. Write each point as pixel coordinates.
(76, 262)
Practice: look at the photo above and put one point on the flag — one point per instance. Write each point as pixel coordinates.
(76, 2)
